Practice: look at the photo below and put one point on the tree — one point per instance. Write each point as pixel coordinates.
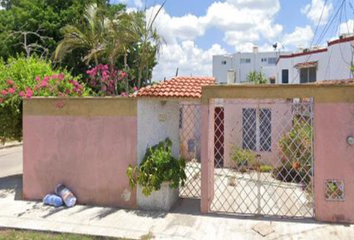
(256, 78)
(149, 43)
(90, 36)
(46, 17)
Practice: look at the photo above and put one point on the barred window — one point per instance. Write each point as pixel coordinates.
(257, 129)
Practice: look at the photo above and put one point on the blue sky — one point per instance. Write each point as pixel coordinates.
(196, 30)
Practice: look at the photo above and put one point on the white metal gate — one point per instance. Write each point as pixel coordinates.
(190, 148)
(263, 153)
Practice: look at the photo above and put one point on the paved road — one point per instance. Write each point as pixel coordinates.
(10, 161)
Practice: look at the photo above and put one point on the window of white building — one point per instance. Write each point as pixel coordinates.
(245, 60)
(224, 62)
(272, 60)
(263, 60)
(308, 75)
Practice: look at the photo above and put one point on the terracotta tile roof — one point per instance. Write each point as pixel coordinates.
(305, 65)
(335, 82)
(177, 87)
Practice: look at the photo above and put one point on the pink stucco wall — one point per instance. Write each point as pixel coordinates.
(207, 154)
(89, 154)
(334, 159)
(281, 123)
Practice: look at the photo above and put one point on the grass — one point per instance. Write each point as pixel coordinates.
(33, 235)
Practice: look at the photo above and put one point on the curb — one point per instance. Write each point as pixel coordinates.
(10, 145)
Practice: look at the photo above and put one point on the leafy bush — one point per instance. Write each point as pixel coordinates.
(296, 151)
(244, 158)
(158, 166)
(265, 168)
(25, 78)
(109, 82)
(256, 78)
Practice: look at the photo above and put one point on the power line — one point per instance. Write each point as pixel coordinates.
(325, 30)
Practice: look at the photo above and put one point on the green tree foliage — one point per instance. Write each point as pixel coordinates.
(46, 18)
(256, 78)
(109, 39)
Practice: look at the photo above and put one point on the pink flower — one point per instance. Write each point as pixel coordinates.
(3, 92)
(1, 100)
(29, 93)
(61, 76)
(135, 89)
(54, 76)
(123, 94)
(12, 91)
(46, 79)
(44, 83)
(10, 82)
(38, 79)
(22, 94)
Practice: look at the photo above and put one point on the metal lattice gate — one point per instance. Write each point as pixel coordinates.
(263, 151)
(190, 125)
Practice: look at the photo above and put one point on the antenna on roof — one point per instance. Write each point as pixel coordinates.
(164, 79)
(275, 46)
(177, 72)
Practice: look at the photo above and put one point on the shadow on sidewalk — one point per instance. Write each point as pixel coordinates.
(11, 185)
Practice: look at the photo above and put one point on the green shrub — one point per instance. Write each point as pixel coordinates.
(265, 168)
(244, 158)
(158, 166)
(24, 78)
(296, 149)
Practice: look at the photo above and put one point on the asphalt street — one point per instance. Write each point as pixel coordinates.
(10, 161)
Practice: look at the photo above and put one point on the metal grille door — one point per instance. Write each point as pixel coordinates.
(190, 148)
(267, 158)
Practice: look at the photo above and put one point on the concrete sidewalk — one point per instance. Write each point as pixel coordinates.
(184, 223)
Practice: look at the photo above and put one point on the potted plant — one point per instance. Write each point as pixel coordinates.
(158, 177)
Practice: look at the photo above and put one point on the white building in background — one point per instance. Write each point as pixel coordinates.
(235, 68)
(332, 62)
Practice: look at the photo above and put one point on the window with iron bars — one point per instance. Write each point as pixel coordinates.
(257, 129)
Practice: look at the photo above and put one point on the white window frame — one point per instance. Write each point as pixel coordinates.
(245, 60)
(258, 130)
(272, 60)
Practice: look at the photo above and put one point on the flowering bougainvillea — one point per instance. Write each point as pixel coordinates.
(55, 85)
(12, 93)
(108, 81)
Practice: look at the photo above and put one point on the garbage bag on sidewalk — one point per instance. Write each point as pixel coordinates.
(67, 196)
(53, 200)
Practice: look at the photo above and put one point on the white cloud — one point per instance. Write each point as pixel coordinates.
(189, 58)
(346, 27)
(138, 3)
(242, 21)
(300, 37)
(187, 27)
(315, 9)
